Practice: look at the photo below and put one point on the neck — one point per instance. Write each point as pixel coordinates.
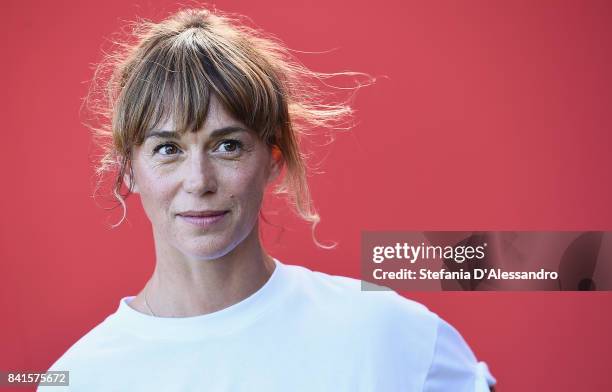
(184, 287)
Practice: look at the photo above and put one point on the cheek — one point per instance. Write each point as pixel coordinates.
(155, 193)
(247, 185)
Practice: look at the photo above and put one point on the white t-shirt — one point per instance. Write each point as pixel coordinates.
(301, 331)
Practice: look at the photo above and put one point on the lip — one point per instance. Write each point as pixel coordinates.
(201, 213)
(202, 218)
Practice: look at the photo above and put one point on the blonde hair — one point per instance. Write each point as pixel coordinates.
(173, 67)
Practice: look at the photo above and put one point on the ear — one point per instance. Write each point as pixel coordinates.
(276, 163)
(129, 182)
(128, 178)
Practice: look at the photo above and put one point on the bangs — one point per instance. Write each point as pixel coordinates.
(178, 77)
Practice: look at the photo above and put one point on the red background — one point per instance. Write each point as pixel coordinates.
(493, 115)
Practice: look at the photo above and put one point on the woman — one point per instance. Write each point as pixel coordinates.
(204, 115)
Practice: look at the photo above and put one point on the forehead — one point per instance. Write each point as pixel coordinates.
(216, 117)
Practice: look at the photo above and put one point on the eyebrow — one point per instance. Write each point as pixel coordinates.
(219, 132)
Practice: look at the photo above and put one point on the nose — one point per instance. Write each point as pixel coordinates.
(199, 174)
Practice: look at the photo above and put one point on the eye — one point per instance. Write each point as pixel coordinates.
(229, 146)
(166, 149)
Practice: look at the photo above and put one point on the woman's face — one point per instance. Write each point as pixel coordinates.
(202, 191)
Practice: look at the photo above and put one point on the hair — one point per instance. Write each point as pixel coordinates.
(174, 67)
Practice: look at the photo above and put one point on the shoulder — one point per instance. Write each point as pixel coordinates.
(371, 310)
(87, 348)
(339, 290)
(398, 331)
(77, 360)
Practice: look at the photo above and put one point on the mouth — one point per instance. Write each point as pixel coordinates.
(202, 218)
(202, 214)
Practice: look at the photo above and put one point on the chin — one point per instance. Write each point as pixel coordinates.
(206, 249)
(210, 247)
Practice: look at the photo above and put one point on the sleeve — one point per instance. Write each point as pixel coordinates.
(454, 366)
(57, 366)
